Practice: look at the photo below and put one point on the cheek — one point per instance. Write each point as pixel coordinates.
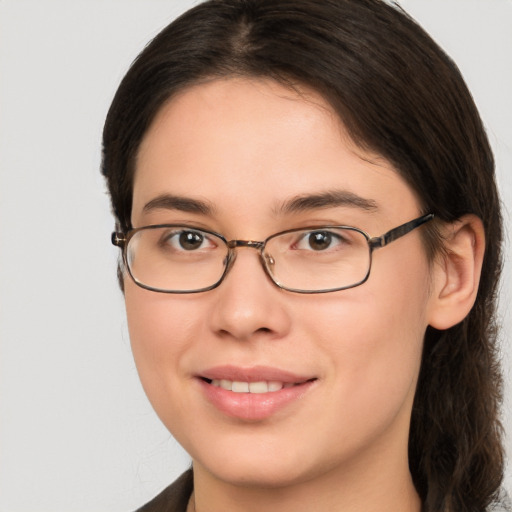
(372, 339)
(368, 338)
(161, 327)
(158, 321)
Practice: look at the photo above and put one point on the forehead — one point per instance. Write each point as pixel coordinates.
(250, 116)
(249, 145)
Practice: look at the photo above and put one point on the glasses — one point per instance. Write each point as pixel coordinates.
(173, 258)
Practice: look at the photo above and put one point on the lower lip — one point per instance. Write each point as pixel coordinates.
(253, 406)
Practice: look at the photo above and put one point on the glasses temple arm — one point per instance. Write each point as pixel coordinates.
(398, 232)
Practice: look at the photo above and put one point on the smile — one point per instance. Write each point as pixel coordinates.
(260, 387)
(253, 394)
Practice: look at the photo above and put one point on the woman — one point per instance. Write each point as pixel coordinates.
(305, 200)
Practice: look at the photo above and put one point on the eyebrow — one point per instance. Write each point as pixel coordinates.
(328, 199)
(301, 203)
(180, 203)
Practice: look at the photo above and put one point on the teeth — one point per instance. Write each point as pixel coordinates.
(258, 387)
(275, 386)
(226, 384)
(240, 387)
(250, 387)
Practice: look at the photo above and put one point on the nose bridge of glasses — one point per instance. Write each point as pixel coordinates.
(245, 243)
(266, 260)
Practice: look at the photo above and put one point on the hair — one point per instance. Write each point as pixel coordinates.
(399, 95)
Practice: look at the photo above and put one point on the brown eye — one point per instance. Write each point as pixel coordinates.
(320, 240)
(190, 240)
(186, 240)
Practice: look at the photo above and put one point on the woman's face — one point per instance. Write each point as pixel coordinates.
(246, 151)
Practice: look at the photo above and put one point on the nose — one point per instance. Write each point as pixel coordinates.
(247, 304)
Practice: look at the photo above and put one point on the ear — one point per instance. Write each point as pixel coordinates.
(457, 271)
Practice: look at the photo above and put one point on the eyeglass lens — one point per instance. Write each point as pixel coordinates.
(181, 259)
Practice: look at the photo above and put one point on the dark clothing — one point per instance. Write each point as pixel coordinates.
(174, 498)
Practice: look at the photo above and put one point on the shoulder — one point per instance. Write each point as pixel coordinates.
(173, 498)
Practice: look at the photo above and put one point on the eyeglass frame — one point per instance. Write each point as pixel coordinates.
(121, 240)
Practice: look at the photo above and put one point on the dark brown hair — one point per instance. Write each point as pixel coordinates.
(402, 97)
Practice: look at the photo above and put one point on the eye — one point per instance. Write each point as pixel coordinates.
(187, 240)
(320, 240)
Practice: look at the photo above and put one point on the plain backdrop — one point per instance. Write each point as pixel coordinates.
(76, 431)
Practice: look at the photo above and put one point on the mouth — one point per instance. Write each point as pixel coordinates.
(254, 394)
(257, 387)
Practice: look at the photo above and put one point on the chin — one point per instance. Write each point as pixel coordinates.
(257, 463)
(254, 474)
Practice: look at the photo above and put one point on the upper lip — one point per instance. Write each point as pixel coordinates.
(253, 374)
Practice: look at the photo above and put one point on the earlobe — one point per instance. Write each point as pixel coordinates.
(457, 272)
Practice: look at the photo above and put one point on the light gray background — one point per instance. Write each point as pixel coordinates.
(76, 432)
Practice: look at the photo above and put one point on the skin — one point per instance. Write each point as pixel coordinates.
(246, 147)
